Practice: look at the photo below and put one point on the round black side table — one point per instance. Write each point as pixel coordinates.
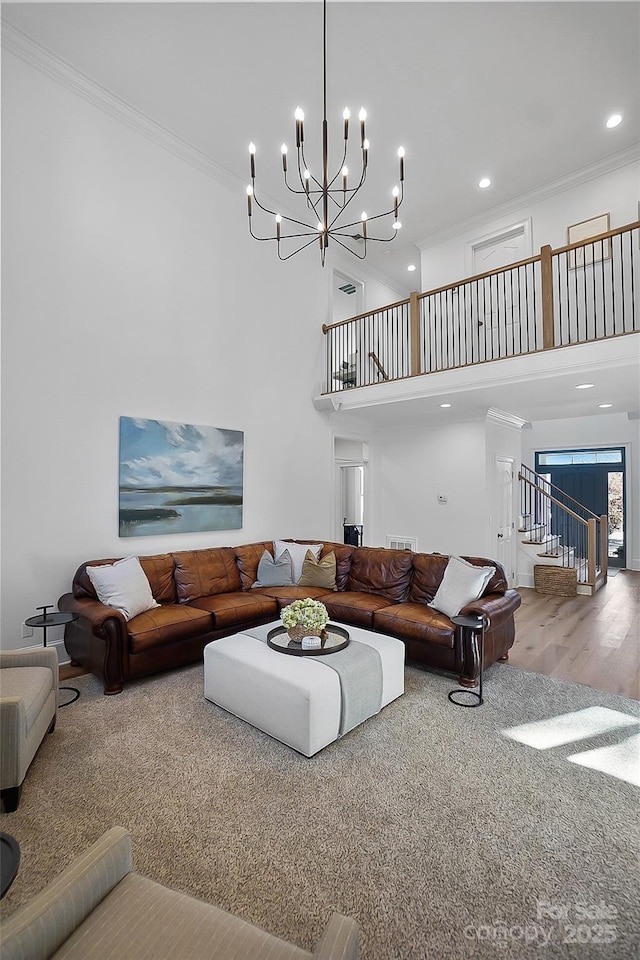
(44, 620)
(473, 639)
(9, 861)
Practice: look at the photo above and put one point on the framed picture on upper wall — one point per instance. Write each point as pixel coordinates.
(179, 478)
(590, 252)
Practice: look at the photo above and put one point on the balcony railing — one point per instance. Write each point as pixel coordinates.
(579, 293)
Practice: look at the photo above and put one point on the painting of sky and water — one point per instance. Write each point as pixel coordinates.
(179, 478)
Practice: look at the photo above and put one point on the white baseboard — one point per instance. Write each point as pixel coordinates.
(525, 580)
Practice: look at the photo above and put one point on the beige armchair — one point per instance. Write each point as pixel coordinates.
(28, 709)
(98, 908)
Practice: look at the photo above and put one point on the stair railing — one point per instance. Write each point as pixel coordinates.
(571, 540)
(579, 293)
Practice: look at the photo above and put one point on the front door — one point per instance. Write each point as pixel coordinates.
(595, 478)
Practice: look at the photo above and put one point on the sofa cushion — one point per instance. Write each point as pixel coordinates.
(297, 552)
(415, 621)
(463, 582)
(247, 560)
(286, 595)
(274, 573)
(204, 573)
(381, 571)
(123, 585)
(229, 609)
(428, 571)
(168, 623)
(318, 573)
(355, 608)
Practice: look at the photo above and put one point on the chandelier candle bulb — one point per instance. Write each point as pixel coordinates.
(278, 222)
(346, 115)
(401, 156)
(283, 149)
(345, 174)
(365, 152)
(362, 116)
(252, 155)
(299, 126)
(307, 177)
(249, 195)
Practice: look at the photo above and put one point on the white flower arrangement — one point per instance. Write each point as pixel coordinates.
(310, 614)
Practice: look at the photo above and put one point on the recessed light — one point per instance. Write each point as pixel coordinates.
(605, 406)
(444, 405)
(614, 120)
(584, 386)
(411, 267)
(484, 183)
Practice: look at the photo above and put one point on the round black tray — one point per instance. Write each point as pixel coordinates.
(337, 639)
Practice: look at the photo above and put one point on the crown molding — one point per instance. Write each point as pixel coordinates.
(43, 59)
(504, 419)
(550, 189)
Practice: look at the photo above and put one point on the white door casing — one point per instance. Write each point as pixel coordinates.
(503, 514)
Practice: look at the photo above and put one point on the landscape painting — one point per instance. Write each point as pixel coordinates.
(179, 478)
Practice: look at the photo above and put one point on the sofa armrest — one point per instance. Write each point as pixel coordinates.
(41, 926)
(496, 606)
(94, 612)
(340, 940)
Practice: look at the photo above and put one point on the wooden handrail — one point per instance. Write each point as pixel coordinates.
(598, 239)
(361, 316)
(573, 499)
(585, 523)
(479, 276)
(385, 375)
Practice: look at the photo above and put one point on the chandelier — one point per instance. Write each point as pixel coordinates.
(326, 199)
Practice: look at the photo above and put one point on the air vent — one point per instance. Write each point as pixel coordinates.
(347, 288)
(402, 543)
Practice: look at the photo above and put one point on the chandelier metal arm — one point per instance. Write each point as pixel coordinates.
(360, 256)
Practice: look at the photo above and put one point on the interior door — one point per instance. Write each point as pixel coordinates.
(497, 303)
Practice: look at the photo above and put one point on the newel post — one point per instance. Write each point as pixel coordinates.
(591, 551)
(604, 546)
(546, 277)
(414, 319)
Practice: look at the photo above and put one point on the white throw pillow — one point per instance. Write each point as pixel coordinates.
(124, 586)
(462, 584)
(297, 552)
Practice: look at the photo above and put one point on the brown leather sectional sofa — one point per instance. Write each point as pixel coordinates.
(206, 594)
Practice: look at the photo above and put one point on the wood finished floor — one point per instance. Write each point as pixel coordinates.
(590, 640)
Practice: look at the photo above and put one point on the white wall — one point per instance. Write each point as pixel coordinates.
(613, 430)
(131, 287)
(616, 192)
(412, 467)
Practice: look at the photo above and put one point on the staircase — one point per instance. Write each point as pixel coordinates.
(557, 531)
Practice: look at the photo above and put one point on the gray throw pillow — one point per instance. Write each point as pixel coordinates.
(274, 573)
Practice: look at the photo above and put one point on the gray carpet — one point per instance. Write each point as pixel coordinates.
(436, 833)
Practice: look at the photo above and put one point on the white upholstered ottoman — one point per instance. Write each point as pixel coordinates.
(297, 700)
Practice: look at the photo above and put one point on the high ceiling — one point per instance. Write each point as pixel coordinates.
(518, 92)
